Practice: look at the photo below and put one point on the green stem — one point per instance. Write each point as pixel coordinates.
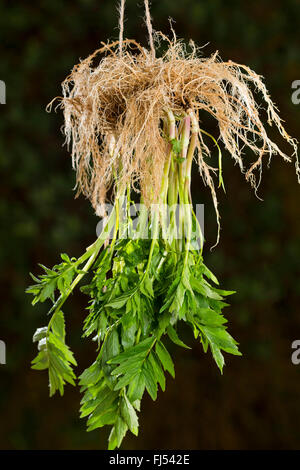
(154, 233)
(172, 201)
(143, 220)
(185, 138)
(170, 126)
(187, 180)
(138, 335)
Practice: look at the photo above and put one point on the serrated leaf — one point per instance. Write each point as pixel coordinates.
(209, 274)
(41, 361)
(136, 387)
(129, 415)
(165, 358)
(111, 349)
(209, 317)
(150, 380)
(58, 325)
(47, 290)
(158, 372)
(107, 402)
(220, 338)
(91, 375)
(140, 349)
(119, 302)
(178, 298)
(218, 357)
(106, 418)
(117, 434)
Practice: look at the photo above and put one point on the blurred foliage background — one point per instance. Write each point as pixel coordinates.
(255, 404)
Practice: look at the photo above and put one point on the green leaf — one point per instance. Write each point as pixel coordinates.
(209, 317)
(47, 290)
(218, 357)
(111, 348)
(148, 284)
(158, 372)
(223, 292)
(117, 434)
(54, 354)
(130, 366)
(140, 349)
(178, 298)
(119, 302)
(129, 415)
(41, 361)
(136, 387)
(36, 279)
(108, 401)
(209, 274)
(165, 358)
(65, 257)
(174, 337)
(150, 380)
(125, 380)
(128, 334)
(58, 325)
(176, 145)
(220, 338)
(91, 375)
(106, 418)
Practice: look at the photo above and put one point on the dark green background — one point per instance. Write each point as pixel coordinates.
(256, 403)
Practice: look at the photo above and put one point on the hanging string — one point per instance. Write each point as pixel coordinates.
(121, 26)
(149, 27)
(148, 23)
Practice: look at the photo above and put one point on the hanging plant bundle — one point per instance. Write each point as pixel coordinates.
(136, 125)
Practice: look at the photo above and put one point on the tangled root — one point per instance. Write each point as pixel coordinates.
(123, 98)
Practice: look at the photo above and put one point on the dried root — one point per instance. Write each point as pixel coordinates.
(124, 97)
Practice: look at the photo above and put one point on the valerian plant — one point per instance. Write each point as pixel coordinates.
(134, 123)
